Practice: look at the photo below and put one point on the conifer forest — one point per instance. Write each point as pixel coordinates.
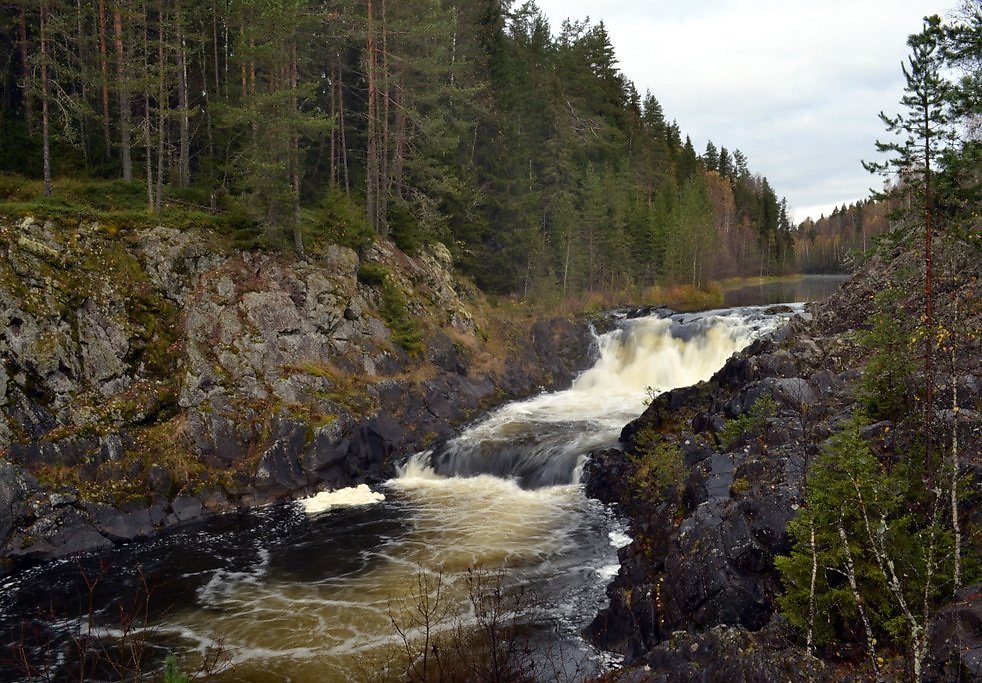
(519, 145)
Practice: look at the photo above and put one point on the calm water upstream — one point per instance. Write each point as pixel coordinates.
(298, 596)
(800, 288)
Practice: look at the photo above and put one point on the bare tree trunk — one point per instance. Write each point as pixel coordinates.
(184, 150)
(123, 94)
(295, 160)
(344, 138)
(161, 103)
(147, 137)
(928, 305)
(45, 138)
(26, 68)
(83, 80)
(245, 73)
(810, 642)
(385, 179)
(854, 587)
(333, 172)
(214, 49)
(399, 154)
(372, 169)
(104, 75)
(955, 467)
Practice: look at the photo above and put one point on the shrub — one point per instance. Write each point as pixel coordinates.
(752, 422)
(658, 470)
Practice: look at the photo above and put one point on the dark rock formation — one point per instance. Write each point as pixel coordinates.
(695, 597)
(151, 377)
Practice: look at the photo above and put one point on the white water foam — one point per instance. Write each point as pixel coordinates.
(347, 497)
(277, 617)
(542, 441)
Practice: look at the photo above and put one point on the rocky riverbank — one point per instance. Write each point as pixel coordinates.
(696, 595)
(150, 377)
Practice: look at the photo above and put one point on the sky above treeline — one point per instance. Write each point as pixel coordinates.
(796, 85)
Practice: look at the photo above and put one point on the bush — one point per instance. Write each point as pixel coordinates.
(750, 423)
(372, 274)
(658, 470)
(395, 312)
(338, 220)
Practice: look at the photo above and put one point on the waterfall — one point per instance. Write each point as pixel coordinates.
(542, 441)
(311, 591)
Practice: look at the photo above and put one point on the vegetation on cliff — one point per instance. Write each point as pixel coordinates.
(831, 477)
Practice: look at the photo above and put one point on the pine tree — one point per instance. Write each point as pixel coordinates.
(924, 132)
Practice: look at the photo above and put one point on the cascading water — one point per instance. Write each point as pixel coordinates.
(312, 596)
(542, 441)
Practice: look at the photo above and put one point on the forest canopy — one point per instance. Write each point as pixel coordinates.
(521, 147)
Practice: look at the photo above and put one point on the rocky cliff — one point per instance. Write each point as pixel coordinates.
(695, 598)
(153, 376)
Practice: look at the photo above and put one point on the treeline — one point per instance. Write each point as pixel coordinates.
(832, 243)
(529, 154)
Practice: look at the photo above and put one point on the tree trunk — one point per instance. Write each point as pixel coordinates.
(385, 179)
(928, 304)
(184, 150)
(853, 586)
(26, 69)
(372, 165)
(123, 94)
(83, 81)
(214, 49)
(342, 124)
(295, 160)
(104, 75)
(147, 135)
(161, 103)
(332, 176)
(45, 139)
(955, 467)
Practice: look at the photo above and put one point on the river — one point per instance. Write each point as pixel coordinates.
(325, 593)
(813, 287)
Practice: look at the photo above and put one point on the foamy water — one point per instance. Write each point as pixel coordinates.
(311, 591)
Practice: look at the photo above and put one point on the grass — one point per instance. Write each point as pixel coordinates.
(119, 204)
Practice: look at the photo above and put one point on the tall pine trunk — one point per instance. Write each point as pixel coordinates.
(45, 137)
(104, 77)
(161, 104)
(372, 170)
(184, 149)
(26, 68)
(295, 158)
(123, 93)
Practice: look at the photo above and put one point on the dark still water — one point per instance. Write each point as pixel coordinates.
(800, 288)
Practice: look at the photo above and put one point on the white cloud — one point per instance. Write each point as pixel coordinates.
(795, 85)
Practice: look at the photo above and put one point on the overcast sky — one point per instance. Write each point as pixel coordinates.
(795, 85)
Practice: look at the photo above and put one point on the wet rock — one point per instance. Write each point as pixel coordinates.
(60, 530)
(279, 472)
(733, 654)
(955, 640)
(121, 527)
(184, 509)
(16, 488)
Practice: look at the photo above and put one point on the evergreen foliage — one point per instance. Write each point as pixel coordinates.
(523, 149)
(889, 387)
(874, 525)
(878, 545)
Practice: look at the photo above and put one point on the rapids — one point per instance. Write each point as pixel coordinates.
(319, 590)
